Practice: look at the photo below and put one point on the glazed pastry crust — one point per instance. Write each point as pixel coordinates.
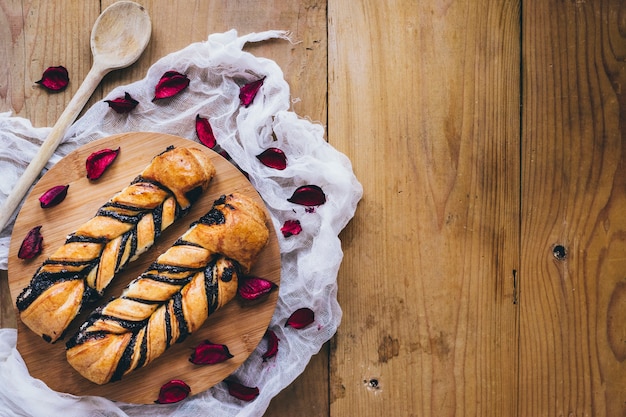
(175, 295)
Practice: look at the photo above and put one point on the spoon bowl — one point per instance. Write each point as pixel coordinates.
(119, 36)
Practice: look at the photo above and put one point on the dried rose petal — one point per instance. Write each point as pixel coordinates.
(308, 195)
(247, 92)
(54, 79)
(205, 132)
(122, 104)
(253, 288)
(301, 318)
(273, 158)
(170, 84)
(53, 196)
(291, 228)
(241, 391)
(32, 244)
(172, 392)
(207, 353)
(272, 345)
(99, 161)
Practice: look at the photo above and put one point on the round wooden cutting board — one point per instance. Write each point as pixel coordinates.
(238, 325)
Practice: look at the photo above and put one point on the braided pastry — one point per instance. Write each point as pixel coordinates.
(123, 228)
(175, 295)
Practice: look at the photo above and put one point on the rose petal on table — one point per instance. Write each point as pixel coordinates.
(54, 79)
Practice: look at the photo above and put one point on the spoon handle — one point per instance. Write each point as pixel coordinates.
(69, 115)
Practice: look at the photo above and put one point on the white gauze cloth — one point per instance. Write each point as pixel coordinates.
(310, 260)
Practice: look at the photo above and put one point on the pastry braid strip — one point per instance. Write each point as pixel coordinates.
(175, 295)
(123, 228)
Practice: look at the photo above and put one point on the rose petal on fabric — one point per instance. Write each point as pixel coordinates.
(207, 353)
(248, 92)
(122, 104)
(173, 391)
(272, 345)
(252, 287)
(205, 132)
(53, 196)
(170, 84)
(291, 228)
(54, 79)
(300, 318)
(32, 244)
(99, 161)
(308, 195)
(241, 391)
(273, 158)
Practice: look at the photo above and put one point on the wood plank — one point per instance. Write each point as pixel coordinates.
(572, 352)
(424, 99)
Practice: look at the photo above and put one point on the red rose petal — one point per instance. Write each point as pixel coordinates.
(248, 91)
(99, 161)
(53, 196)
(205, 132)
(207, 353)
(308, 195)
(300, 318)
(241, 391)
(54, 79)
(273, 158)
(170, 84)
(291, 228)
(253, 288)
(32, 244)
(122, 104)
(272, 345)
(173, 391)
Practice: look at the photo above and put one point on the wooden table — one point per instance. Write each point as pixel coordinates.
(485, 270)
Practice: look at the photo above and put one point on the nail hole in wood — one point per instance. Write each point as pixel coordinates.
(559, 252)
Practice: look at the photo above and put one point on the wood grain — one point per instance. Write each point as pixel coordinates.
(47, 361)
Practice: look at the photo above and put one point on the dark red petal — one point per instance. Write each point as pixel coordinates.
(253, 288)
(308, 195)
(272, 345)
(99, 161)
(122, 104)
(301, 318)
(53, 196)
(207, 353)
(291, 228)
(273, 158)
(172, 392)
(32, 244)
(247, 92)
(242, 392)
(170, 84)
(205, 132)
(54, 79)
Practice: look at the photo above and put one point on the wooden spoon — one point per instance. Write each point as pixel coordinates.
(118, 38)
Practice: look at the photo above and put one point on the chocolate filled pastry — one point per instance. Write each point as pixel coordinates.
(123, 228)
(175, 295)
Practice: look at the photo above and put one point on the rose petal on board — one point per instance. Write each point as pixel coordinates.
(54, 79)
(170, 84)
(99, 161)
(273, 158)
(32, 244)
(272, 345)
(53, 196)
(253, 288)
(291, 228)
(205, 132)
(300, 318)
(248, 92)
(173, 391)
(207, 353)
(308, 195)
(122, 104)
(241, 391)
